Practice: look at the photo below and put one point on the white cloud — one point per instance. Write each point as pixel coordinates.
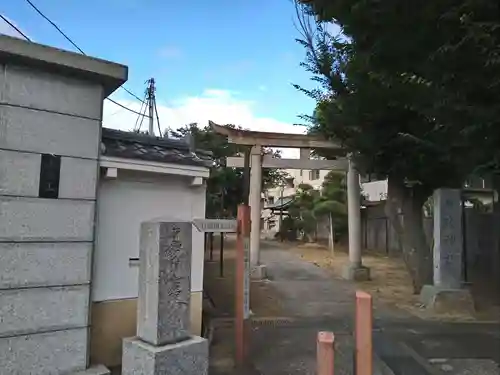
(220, 106)
(6, 29)
(170, 52)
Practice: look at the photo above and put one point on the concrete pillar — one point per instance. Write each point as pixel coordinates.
(325, 353)
(354, 218)
(363, 334)
(258, 271)
(355, 269)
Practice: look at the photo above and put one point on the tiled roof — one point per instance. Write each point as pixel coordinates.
(281, 203)
(131, 145)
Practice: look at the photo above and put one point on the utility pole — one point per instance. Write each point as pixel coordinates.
(151, 104)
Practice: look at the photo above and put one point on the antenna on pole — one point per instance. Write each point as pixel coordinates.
(151, 104)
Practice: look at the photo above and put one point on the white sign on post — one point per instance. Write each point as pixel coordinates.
(246, 278)
(215, 225)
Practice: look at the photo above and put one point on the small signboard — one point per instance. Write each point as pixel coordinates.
(215, 225)
(246, 279)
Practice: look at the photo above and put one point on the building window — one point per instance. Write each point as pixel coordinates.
(50, 171)
(314, 174)
(290, 183)
(301, 171)
(270, 200)
(272, 224)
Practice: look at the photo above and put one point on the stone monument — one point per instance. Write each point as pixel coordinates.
(163, 344)
(447, 294)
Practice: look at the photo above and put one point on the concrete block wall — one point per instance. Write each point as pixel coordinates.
(40, 298)
(47, 106)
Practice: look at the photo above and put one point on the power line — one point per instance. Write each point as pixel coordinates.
(116, 112)
(142, 119)
(137, 119)
(28, 39)
(53, 24)
(127, 108)
(71, 41)
(131, 93)
(138, 125)
(14, 27)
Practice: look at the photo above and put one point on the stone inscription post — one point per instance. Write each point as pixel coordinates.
(447, 238)
(163, 344)
(446, 294)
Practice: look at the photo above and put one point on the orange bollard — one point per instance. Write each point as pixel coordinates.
(242, 318)
(363, 335)
(325, 353)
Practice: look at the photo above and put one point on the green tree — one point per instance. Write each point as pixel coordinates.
(301, 211)
(225, 185)
(311, 205)
(332, 205)
(409, 89)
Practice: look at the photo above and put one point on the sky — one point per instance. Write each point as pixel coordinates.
(222, 60)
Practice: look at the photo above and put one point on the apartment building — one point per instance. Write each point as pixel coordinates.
(277, 199)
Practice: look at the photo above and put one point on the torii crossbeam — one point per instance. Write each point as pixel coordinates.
(257, 140)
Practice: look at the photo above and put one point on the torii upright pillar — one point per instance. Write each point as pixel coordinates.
(258, 271)
(354, 270)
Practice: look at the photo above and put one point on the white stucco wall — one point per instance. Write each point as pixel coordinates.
(375, 190)
(123, 204)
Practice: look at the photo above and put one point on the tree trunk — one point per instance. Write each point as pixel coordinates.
(404, 209)
(331, 235)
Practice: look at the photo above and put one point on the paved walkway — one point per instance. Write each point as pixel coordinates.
(403, 345)
(313, 302)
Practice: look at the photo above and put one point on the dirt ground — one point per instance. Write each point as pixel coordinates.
(390, 284)
(219, 305)
(221, 290)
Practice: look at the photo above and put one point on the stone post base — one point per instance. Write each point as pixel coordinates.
(355, 273)
(258, 272)
(443, 300)
(189, 357)
(95, 370)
